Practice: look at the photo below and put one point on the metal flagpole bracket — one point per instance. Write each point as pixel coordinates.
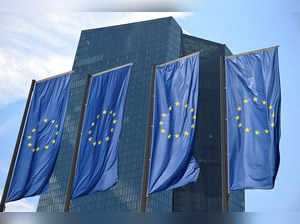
(17, 147)
(251, 52)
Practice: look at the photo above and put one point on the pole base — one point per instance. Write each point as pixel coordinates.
(2, 208)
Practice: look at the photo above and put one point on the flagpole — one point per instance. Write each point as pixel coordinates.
(224, 144)
(16, 150)
(144, 198)
(76, 147)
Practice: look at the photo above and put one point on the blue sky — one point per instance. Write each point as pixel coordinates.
(39, 45)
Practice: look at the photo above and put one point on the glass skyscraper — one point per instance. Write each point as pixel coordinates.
(145, 44)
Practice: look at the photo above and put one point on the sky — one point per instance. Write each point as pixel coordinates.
(37, 43)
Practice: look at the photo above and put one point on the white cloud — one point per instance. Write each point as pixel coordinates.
(186, 32)
(17, 70)
(6, 124)
(19, 206)
(37, 46)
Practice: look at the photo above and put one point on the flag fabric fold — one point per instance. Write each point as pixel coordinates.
(253, 109)
(97, 165)
(41, 138)
(175, 112)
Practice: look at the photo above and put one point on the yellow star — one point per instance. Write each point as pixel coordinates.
(194, 117)
(161, 123)
(90, 138)
(29, 144)
(53, 141)
(185, 106)
(257, 132)
(45, 120)
(164, 115)
(170, 108)
(240, 125)
(266, 131)
(29, 137)
(90, 132)
(46, 147)
(163, 131)
(111, 112)
(57, 133)
(98, 116)
(104, 111)
(56, 126)
(270, 107)
(264, 102)
(177, 103)
(237, 117)
(255, 99)
(111, 130)
(52, 121)
(38, 148)
(186, 133)
(114, 114)
(114, 121)
(273, 115)
(99, 142)
(247, 129)
(273, 124)
(177, 136)
(33, 150)
(192, 126)
(239, 108)
(33, 130)
(192, 110)
(94, 143)
(107, 138)
(245, 101)
(169, 136)
(93, 123)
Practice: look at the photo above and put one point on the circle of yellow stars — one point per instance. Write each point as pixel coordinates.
(247, 129)
(171, 108)
(94, 141)
(34, 130)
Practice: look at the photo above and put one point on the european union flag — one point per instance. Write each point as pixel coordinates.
(41, 138)
(253, 107)
(175, 113)
(97, 165)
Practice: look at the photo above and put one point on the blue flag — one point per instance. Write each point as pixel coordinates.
(175, 113)
(97, 165)
(41, 138)
(253, 107)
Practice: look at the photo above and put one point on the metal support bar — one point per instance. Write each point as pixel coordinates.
(76, 147)
(16, 150)
(54, 76)
(224, 145)
(144, 197)
(251, 52)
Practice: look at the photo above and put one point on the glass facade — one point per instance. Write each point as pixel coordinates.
(206, 194)
(143, 43)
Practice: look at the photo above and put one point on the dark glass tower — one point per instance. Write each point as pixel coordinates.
(144, 43)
